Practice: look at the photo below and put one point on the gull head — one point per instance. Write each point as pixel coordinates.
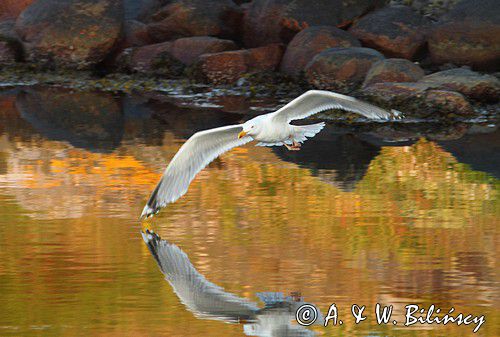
(251, 128)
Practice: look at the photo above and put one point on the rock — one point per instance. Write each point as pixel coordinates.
(393, 70)
(429, 8)
(395, 31)
(168, 58)
(83, 34)
(277, 21)
(468, 35)
(184, 18)
(225, 67)
(135, 34)
(189, 49)
(266, 58)
(391, 92)
(140, 10)
(469, 83)
(154, 59)
(448, 102)
(229, 66)
(341, 69)
(418, 99)
(311, 41)
(10, 9)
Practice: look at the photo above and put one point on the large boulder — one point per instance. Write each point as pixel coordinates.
(341, 69)
(396, 31)
(227, 67)
(72, 33)
(393, 70)
(184, 18)
(418, 99)
(189, 49)
(470, 83)
(10, 9)
(448, 102)
(155, 59)
(468, 35)
(311, 41)
(276, 21)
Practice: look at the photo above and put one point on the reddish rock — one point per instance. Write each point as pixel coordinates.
(471, 84)
(468, 35)
(448, 102)
(266, 58)
(341, 69)
(225, 67)
(393, 70)
(311, 41)
(185, 18)
(72, 33)
(10, 9)
(228, 67)
(395, 31)
(135, 34)
(153, 59)
(189, 49)
(277, 21)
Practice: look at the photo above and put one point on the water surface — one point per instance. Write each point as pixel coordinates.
(391, 214)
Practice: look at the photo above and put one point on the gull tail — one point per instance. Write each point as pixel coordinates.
(307, 131)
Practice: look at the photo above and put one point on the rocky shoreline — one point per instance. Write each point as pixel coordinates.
(431, 64)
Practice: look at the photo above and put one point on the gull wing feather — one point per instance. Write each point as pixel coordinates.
(200, 296)
(193, 156)
(315, 101)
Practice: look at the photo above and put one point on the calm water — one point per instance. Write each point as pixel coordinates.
(386, 215)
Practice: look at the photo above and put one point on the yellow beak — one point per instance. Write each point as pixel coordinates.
(242, 134)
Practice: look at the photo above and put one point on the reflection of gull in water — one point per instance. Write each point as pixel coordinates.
(272, 129)
(209, 301)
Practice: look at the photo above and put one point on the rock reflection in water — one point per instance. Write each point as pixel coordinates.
(209, 301)
(93, 121)
(341, 159)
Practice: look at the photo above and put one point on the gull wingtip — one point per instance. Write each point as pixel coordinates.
(147, 212)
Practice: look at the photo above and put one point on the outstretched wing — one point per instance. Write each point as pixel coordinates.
(314, 101)
(200, 296)
(192, 157)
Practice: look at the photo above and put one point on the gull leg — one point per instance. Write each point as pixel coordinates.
(294, 147)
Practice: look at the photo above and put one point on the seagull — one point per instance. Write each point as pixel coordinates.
(207, 300)
(271, 129)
